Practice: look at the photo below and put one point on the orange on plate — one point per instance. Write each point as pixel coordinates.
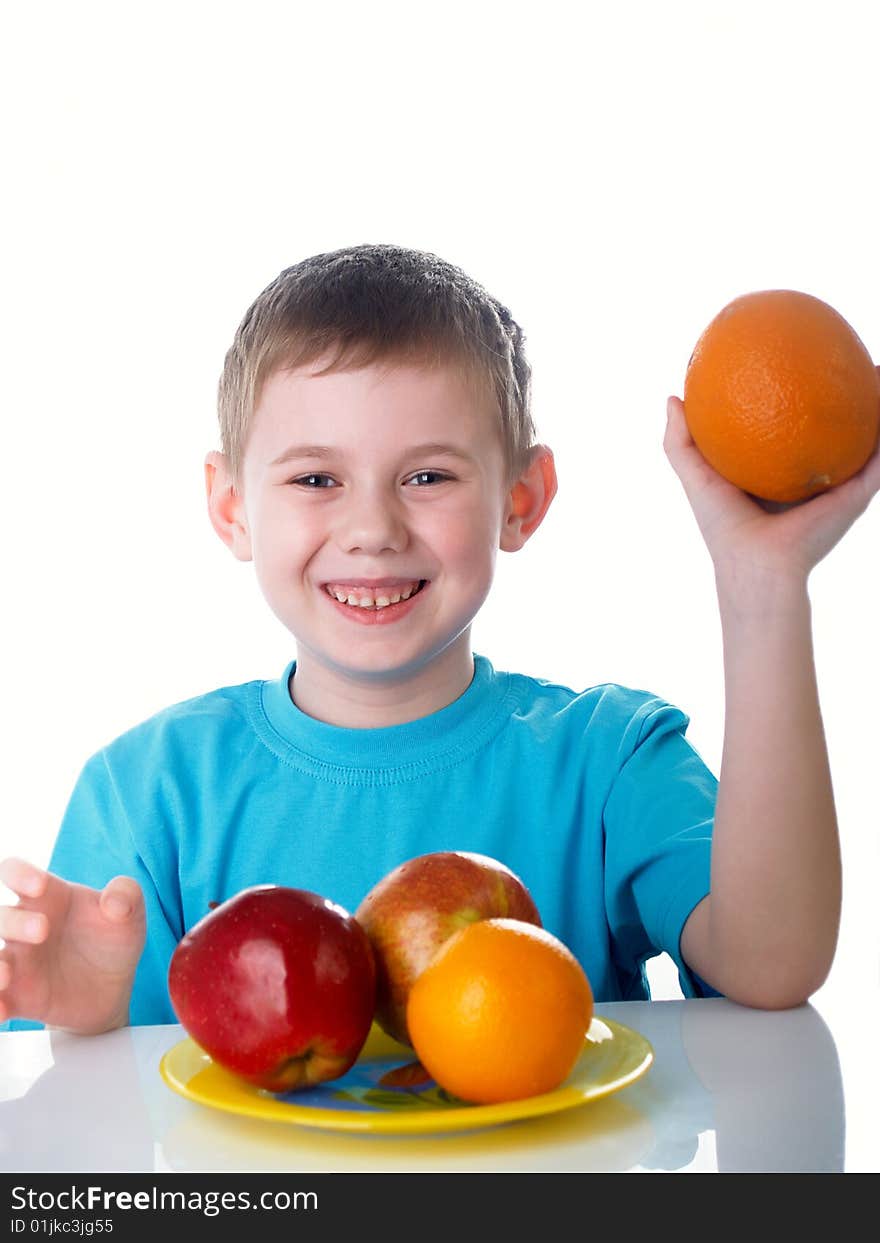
(500, 1012)
(781, 396)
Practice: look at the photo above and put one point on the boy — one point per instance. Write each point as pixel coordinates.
(378, 450)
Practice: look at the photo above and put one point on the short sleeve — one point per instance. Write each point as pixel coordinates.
(658, 821)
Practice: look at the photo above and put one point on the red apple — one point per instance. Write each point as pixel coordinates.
(278, 985)
(411, 912)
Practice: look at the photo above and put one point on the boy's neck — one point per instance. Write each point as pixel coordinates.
(342, 699)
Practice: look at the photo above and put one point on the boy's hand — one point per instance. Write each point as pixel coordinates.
(744, 535)
(71, 951)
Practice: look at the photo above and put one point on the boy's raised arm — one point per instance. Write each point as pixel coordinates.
(71, 952)
(766, 934)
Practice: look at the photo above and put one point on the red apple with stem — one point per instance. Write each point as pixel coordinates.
(277, 985)
(417, 906)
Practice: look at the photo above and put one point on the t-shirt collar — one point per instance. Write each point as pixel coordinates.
(421, 741)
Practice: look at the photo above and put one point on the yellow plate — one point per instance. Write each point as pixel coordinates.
(613, 1057)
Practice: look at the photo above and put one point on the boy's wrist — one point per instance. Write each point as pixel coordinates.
(761, 592)
(97, 1026)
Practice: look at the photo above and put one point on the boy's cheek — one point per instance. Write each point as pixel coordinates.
(467, 534)
(470, 555)
(282, 529)
(473, 535)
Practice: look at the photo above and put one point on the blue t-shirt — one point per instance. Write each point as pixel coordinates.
(595, 799)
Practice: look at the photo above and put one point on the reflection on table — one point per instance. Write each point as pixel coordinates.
(731, 1089)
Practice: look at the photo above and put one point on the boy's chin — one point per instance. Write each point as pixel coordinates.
(386, 664)
(376, 672)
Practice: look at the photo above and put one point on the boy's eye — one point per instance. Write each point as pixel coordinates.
(315, 481)
(424, 477)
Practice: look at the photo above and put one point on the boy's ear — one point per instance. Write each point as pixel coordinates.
(225, 507)
(529, 499)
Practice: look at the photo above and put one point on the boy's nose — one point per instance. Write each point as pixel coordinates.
(372, 524)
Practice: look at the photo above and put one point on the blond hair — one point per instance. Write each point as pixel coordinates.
(371, 303)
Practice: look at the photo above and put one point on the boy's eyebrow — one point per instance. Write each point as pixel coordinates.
(434, 448)
(301, 451)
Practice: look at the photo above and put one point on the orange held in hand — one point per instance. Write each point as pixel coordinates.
(781, 397)
(500, 1012)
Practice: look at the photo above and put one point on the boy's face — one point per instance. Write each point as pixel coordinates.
(385, 486)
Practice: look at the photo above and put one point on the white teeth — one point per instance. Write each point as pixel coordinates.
(369, 602)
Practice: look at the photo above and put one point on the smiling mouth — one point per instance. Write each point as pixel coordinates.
(376, 598)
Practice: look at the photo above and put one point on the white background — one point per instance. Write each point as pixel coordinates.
(615, 174)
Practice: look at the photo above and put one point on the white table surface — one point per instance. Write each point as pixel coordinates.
(731, 1089)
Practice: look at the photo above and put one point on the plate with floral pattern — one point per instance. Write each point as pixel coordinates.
(387, 1091)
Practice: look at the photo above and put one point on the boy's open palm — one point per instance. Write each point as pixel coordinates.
(71, 951)
(741, 534)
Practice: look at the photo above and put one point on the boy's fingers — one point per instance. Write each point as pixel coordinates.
(120, 897)
(870, 475)
(5, 973)
(29, 927)
(676, 422)
(673, 438)
(685, 458)
(678, 444)
(23, 878)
